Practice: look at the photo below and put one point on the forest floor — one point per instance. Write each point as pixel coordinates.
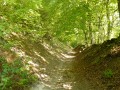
(95, 68)
(102, 64)
(62, 76)
(58, 67)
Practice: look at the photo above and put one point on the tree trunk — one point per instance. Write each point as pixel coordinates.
(108, 19)
(119, 7)
(85, 37)
(90, 32)
(90, 27)
(99, 29)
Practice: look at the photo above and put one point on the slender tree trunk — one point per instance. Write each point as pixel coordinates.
(90, 32)
(99, 29)
(119, 7)
(108, 20)
(85, 37)
(90, 27)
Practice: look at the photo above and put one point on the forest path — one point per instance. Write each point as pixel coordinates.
(62, 76)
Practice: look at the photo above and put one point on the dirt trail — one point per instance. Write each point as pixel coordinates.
(63, 76)
(57, 68)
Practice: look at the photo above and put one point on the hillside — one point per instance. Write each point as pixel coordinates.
(100, 63)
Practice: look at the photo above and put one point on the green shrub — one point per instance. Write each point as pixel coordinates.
(108, 73)
(74, 44)
(14, 76)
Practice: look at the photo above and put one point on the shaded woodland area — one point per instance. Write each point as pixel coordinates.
(59, 44)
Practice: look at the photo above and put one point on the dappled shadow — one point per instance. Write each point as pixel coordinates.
(56, 68)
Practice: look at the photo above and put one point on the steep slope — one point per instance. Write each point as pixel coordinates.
(101, 64)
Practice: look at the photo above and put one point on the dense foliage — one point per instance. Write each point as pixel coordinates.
(72, 22)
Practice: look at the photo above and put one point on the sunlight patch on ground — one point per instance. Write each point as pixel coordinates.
(44, 77)
(37, 53)
(33, 68)
(19, 52)
(67, 56)
(33, 64)
(71, 52)
(44, 60)
(37, 87)
(46, 46)
(41, 85)
(58, 56)
(115, 50)
(67, 86)
(51, 52)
